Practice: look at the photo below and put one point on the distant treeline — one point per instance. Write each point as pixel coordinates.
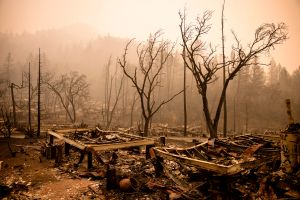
(255, 98)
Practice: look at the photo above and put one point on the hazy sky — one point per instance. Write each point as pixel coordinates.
(138, 18)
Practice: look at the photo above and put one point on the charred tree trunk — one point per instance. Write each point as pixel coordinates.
(29, 99)
(146, 127)
(209, 122)
(246, 118)
(74, 112)
(13, 104)
(39, 96)
(132, 108)
(224, 75)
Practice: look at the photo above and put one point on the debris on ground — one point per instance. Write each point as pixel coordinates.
(240, 167)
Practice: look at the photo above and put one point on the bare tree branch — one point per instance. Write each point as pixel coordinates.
(152, 58)
(203, 63)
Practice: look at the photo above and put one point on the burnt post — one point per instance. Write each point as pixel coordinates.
(67, 148)
(162, 141)
(51, 139)
(29, 99)
(90, 160)
(290, 143)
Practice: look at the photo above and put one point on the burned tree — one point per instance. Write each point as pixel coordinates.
(71, 89)
(110, 103)
(201, 59)
(12, 87)
(32, 93)
(152, 57)
(224, 73)
(39, 95)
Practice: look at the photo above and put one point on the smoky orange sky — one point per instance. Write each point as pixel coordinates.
(139, 18)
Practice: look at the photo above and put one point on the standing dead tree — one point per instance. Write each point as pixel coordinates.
(201, 58)
(71, 89)
(224, 73)
(110, 103)
(32, 93)
(152, 57)
(14, 105)
(184, 88)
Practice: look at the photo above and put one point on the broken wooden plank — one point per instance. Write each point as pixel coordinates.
(200, 154)
(89, 139)
(209, 166)
(106, 147)
(69, 141)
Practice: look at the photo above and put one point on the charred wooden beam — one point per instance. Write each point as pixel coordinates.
(106, 147)
(71, 142)
(218, 168)
(90, 160)
(67, 148)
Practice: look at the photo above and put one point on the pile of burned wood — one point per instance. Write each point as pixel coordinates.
(246, 166)
(164, 129)
(98, 136)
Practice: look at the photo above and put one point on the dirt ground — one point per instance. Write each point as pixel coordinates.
(30, 175)
(36, 177)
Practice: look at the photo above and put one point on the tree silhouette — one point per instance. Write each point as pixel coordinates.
(203, 64)
(71, 89)
(152, 57)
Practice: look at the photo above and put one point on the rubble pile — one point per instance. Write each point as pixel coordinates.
(164, 130)
(245, 166)
(240, 167)
(98, 136)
